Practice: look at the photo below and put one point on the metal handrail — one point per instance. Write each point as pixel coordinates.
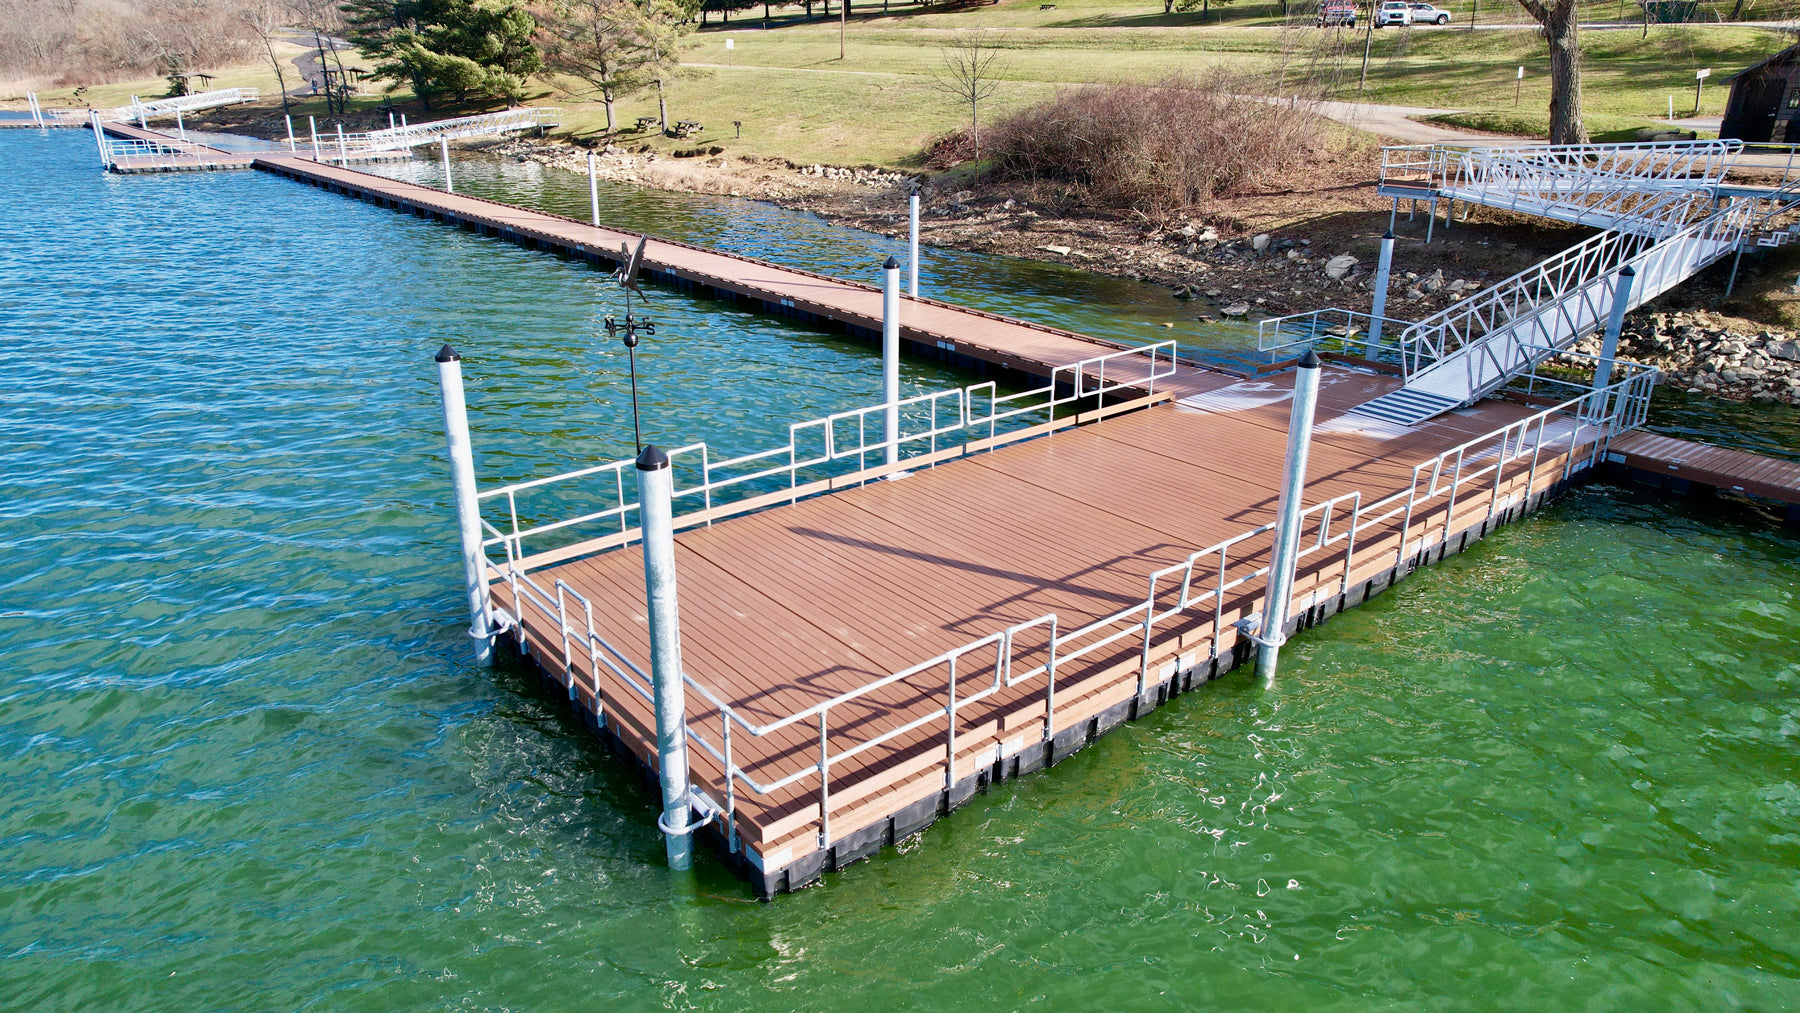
(159, 107)
(979, 411)
(390, 139)
(1479, 464)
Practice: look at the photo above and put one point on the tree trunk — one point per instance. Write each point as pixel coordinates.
(809, 10)
(1168, 6)
(1565, 78)
(606, 96)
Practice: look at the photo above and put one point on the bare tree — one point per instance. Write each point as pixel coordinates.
(1558, 23)
(264, 18)
(971, 70)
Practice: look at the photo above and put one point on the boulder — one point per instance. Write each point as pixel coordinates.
(1432, 282)
(1061, 251)
(1788, 350)
(1259, 242)
(1340, 265)
(1236, 309)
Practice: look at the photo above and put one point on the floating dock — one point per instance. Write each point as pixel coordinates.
(1684, 467)
(868, 643)
(992, 614)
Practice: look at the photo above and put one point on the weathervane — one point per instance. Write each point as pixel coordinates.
(629, 261)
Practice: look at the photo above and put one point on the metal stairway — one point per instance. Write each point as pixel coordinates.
(1660, 204)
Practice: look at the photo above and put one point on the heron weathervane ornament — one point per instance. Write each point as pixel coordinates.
(629, 262)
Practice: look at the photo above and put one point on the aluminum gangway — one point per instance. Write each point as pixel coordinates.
(1665, 218)
(336, 147)
(142, 112)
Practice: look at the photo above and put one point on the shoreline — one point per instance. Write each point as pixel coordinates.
(1292, 246)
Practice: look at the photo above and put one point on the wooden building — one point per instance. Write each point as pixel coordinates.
(1765, 99)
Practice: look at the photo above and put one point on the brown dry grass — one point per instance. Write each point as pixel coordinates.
(1157, 149)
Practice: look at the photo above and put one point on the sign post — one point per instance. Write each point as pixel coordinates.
(1700, 77)
(1518, 85)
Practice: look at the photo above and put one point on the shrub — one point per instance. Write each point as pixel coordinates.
(1154, 148)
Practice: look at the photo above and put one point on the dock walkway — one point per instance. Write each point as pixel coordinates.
(1664, 460)
(789, 609)
(861, 662)
(955, 333)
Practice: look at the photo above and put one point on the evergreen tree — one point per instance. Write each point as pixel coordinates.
(456, 48)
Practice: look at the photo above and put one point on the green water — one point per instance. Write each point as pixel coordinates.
(245, 765)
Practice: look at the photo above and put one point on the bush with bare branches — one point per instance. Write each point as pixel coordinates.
(91, 41)
(1154, 148)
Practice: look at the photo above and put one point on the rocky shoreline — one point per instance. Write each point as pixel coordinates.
(1703, 354)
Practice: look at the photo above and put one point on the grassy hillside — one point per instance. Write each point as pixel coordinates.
(796, 98)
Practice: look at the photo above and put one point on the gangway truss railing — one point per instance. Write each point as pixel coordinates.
(140, 112)
(1650, 187)
(1480, 343)
(333, 146)
(1497, 471)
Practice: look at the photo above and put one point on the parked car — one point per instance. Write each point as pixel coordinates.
(1337, 14)
(1425, 14)
(1393, 12)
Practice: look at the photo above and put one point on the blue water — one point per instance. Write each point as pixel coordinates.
(244, 763)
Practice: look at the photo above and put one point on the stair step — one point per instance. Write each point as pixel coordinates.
(1406, 407)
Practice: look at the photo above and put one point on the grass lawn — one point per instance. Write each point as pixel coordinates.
(797, 99)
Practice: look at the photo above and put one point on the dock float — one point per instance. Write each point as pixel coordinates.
(1683, 466)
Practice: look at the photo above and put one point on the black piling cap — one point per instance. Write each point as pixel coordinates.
(893, 264)
(1628, 271)
(448, 354)
(1389, 234)
(652, 459)
(1310, 360)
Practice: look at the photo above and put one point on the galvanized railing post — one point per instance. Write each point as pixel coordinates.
(1378, 308)
(593, 190)
(99, 139)
(312, 126)
(444, 148)
(343, 152)
(1285, 553)
(890, 355)
(655, 487)
(912, 255)
(290, 132)
(468, 505)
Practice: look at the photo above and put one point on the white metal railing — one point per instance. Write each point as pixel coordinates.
(1478, 344)
(139, 112)
(334, 146)
(1333, 328)
(1650, 187)
(1497, 471)
(820, 453)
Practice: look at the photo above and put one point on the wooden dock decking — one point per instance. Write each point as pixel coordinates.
(1665, 459)
(787, 608)
(952, 332)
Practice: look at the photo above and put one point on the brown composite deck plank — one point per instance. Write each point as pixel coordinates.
(799, 603)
